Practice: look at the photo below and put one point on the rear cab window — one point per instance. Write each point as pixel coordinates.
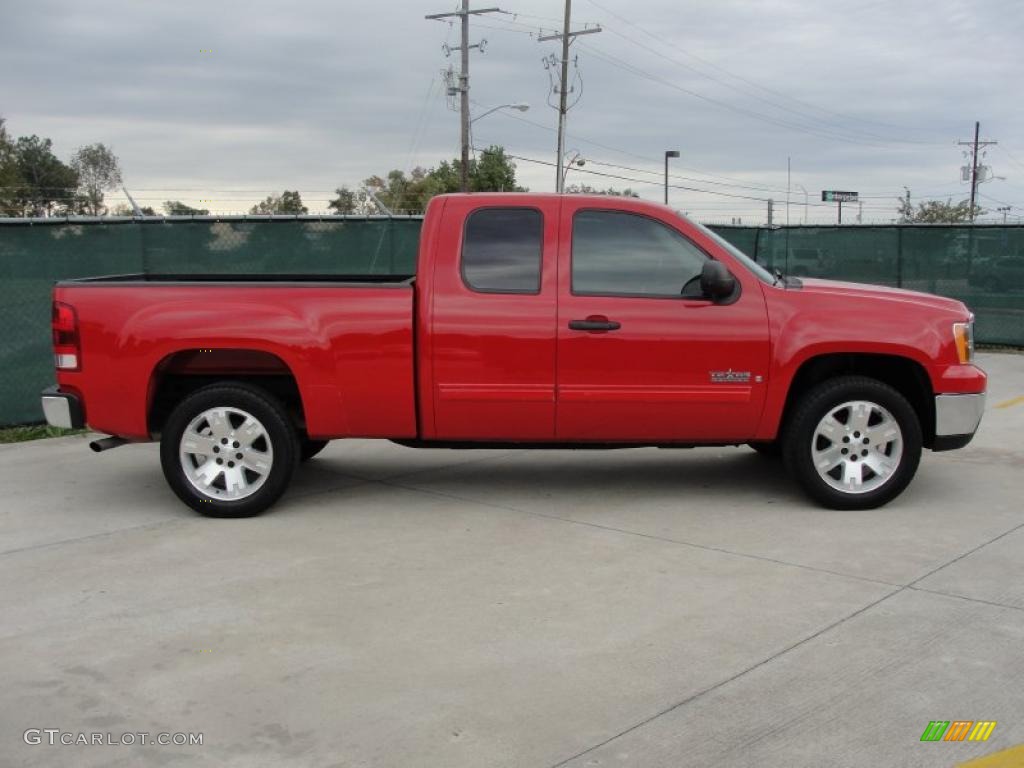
(502, 249)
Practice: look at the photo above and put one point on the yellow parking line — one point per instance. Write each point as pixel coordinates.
(1008, 758)
(1012, 401)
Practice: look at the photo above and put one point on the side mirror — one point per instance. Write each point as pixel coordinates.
(715, 281)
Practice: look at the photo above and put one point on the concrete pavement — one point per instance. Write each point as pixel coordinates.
(498, 608)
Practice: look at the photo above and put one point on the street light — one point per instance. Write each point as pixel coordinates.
(522, 106)
(577, 159)
(519, 105)
(668, 153)
(801, 188)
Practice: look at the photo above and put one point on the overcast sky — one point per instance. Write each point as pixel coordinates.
(229, 101)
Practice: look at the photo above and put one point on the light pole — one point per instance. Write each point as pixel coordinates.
(577, 159)
(668, 153)
(801, 188)
(522, 106)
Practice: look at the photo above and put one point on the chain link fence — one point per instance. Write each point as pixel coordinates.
(34, 254)
(981, 265)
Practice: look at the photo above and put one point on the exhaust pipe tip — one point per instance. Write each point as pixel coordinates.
(106, 443)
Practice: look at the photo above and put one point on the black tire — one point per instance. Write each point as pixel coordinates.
(310, 448)
(279, 433)
(771, 450)
(799, 441)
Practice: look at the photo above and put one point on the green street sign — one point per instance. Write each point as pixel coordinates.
(835, 196)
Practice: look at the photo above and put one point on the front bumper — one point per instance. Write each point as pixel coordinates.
(956, 420)
(62, 409)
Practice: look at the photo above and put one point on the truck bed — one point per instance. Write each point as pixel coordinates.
(279, 278)
(347, 341)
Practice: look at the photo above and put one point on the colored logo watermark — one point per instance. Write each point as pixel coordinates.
(958, 730)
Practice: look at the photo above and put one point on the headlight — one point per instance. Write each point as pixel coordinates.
(963, 335)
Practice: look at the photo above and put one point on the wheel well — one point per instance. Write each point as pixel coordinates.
(179, 375)
(906, 376)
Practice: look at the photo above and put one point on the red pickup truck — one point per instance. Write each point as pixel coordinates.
(534, 321)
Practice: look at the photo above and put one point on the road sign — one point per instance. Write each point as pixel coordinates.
(835, 196)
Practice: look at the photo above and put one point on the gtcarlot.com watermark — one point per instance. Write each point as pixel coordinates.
(56, 737)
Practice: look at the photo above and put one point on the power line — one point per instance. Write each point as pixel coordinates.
(799, 113)
(821, 133)
(733, 75)
(1010, 157)
(577, 138)
(649, 182)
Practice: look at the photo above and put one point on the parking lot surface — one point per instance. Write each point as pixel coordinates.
(639, 607)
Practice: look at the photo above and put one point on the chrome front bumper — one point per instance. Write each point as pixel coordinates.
(61, 409)
(956, 419)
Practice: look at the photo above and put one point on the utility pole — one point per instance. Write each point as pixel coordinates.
(771, 211)
(563, 90)
(974, 161)
(464, 13)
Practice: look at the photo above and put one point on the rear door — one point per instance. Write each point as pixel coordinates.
(639, 359)
(493, 321)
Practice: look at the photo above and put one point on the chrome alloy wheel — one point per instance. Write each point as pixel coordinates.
(226, 453)
(857, 447)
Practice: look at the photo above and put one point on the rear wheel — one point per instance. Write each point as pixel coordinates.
(853, 443)
(229, 450)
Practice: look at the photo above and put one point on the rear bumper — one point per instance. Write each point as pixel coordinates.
(62, 409)
(956, 419)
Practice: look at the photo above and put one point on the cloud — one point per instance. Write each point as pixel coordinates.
(231, 101)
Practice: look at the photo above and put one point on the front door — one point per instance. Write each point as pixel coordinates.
(642, 356)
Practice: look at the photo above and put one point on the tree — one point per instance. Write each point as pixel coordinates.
(937, 212)
(492, 171)
(123, 209)
(287, 202)
(47, 184)
(178, 208)
(400, 193)
(97, 170)
(10, 179)
(345, 202)
(586, 189)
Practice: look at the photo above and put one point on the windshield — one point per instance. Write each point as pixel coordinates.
(762, 274)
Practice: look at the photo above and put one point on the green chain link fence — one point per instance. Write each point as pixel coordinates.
(34, 255)
(981, 265)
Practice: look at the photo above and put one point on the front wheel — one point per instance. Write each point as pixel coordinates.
(853, 443)
(229, 450)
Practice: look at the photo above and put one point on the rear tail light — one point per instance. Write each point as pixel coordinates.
(67, 353)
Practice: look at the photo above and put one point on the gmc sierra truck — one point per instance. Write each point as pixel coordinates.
(533, 321)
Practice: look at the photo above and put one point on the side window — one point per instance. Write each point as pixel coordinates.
(618, 253)
(501, 250)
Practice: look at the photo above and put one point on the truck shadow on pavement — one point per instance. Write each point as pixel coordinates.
(733, 476)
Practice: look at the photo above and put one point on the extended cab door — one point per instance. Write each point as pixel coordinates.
(492, 321)
(639, 359)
